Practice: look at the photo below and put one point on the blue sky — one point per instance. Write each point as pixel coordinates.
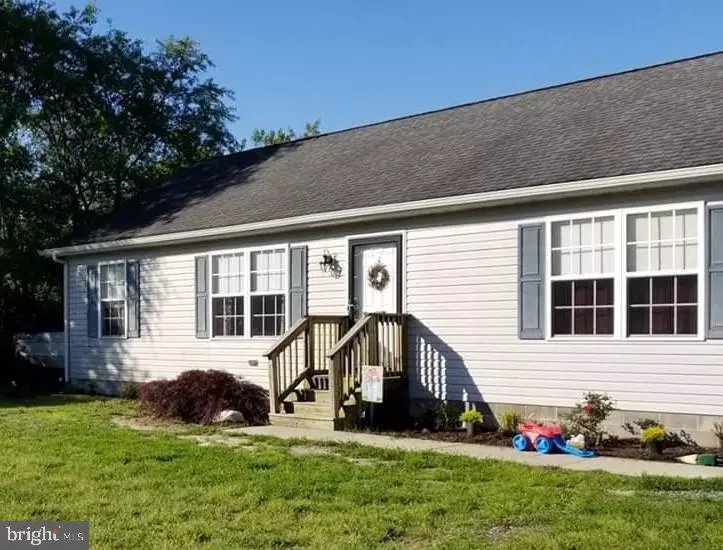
(353, 62)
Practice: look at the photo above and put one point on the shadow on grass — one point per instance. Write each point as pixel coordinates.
(8, 401)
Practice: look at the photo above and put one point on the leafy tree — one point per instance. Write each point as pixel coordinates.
(87, 120)
(312, 128)
(274, 137)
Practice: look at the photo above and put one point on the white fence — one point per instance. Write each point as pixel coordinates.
(43, 347)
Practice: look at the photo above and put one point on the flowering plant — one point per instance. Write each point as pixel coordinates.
(471, 416)
(653, 439)
(588, 416)
(652, 434)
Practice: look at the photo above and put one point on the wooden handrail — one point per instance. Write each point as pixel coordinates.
(375, 339)
(300, 354)
(319, 344)
(283, 394)
(288, 336)
(351, 334)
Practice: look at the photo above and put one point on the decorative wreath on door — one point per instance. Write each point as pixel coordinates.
(378, 276)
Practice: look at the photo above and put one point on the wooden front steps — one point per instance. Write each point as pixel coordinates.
(306, 409)
(315, 369)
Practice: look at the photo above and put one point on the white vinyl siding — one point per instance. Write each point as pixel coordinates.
(460, 288)
(327, 293)
(462, 295)
(168, 345)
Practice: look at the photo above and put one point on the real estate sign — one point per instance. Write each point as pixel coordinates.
(372, 383)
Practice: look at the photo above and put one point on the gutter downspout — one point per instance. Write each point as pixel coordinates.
(66, 332)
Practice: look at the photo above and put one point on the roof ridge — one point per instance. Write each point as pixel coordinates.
(498, 98)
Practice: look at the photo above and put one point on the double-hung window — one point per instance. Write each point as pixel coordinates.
(583, 276)
(268, 292)
(662, 272)
(248, 292)
(112, 303)
(634, 272)
(228, 293)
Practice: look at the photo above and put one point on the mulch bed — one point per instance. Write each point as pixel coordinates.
(630, 448)
(620, 448)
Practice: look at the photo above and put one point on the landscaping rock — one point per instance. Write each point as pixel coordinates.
(229, 417)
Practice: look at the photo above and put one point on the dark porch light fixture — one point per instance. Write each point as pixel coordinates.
(329, 264)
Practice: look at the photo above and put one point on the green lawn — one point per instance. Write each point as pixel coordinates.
(64, 459)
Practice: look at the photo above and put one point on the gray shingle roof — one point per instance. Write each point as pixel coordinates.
(662, 117)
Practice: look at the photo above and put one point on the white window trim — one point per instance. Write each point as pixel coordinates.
(244, 294)
(620, 275)
(125, 300)
(246, 251)
(549, 278)
(595, 247)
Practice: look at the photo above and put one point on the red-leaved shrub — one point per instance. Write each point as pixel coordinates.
(199, 395)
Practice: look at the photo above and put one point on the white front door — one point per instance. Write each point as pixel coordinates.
(375, 276)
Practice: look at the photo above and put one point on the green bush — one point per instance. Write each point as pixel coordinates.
(471, 416)
(509, 422)
(653, 434)
(588, 416)
(442, 416)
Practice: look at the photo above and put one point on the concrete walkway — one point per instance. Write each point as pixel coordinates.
(621, 466)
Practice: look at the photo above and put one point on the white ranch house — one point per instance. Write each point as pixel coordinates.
(510, 253)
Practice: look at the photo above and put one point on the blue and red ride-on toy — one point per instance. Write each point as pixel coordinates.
(545, 438)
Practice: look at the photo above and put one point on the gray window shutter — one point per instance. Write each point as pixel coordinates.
(92, 317)
(531, 287)
(297, 283)
(715, 272)
(202, 297)
(133, 284)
